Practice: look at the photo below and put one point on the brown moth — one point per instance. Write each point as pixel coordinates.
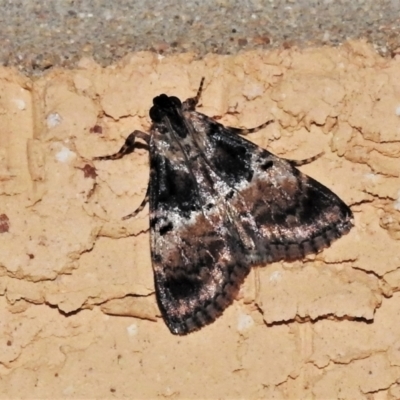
(220, 204)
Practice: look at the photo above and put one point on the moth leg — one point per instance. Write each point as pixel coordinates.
(298, 163)
(191, 103)
(244, 132)
(142, 205)
(128, 147)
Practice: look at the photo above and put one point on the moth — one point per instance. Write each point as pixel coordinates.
(220, 204)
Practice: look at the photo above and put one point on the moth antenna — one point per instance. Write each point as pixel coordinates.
(199, 91)
(191, 103)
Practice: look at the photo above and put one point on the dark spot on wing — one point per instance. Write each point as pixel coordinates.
(156, 257)
(174, 187)
(266, 165)
(166, 228)
(153, 222)
(183, 286)
(231, 156)
(229, 195)
(209, 206)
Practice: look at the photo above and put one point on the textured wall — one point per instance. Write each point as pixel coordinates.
(78, 316)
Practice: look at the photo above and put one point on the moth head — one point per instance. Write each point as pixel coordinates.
(163, 104)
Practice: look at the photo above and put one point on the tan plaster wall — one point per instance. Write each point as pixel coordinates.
(78, 317)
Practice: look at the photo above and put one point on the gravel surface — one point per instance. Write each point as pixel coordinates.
(37, 35)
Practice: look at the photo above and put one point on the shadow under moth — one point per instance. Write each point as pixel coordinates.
(220, 204)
